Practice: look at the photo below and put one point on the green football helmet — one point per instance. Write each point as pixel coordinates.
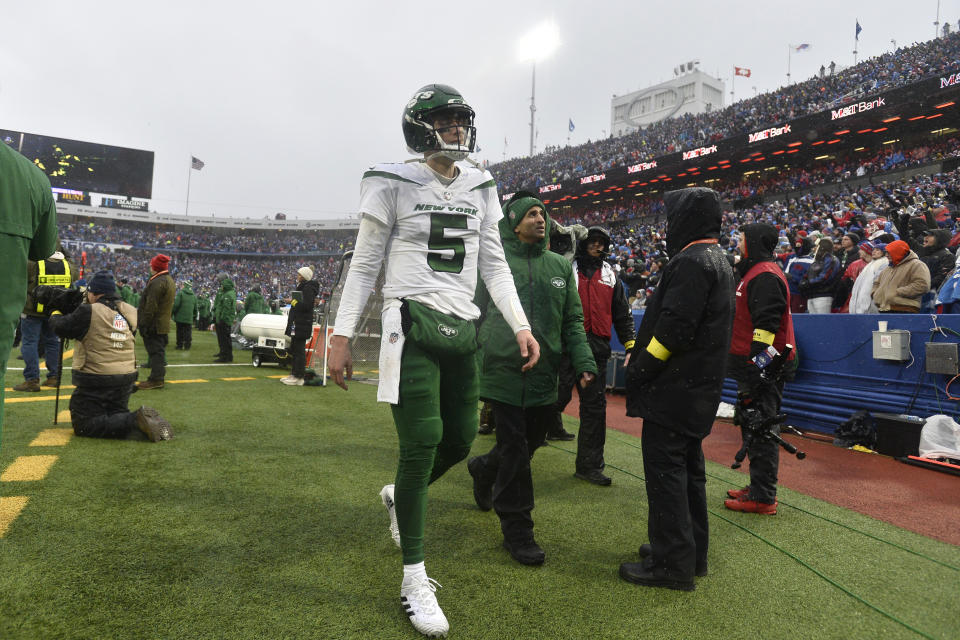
(421, 112)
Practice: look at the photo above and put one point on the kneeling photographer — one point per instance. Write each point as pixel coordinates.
(104, 364)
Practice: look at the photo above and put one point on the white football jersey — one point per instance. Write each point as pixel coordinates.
(435, 229)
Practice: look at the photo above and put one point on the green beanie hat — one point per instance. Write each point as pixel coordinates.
(516, 208)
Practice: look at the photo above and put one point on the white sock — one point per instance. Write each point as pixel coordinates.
(411, 571)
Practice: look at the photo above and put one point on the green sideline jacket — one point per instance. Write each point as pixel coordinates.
(225, 304)
(185, 305)
(548, 293)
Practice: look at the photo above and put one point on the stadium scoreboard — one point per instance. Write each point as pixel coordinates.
(74, 165)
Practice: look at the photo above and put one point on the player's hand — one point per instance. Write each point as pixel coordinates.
(529, 348)
(339, 360)
(626, 361)
(586, 378)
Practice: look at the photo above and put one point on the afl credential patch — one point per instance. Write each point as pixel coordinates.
(559, 283)
(447, 332)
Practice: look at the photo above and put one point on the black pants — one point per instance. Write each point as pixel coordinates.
(156, 345)
(223, 339)
(507, 466)
(677, 499)
(593, 412)
(184, 335)
(764, 454)
(101, 412)
(299, 354)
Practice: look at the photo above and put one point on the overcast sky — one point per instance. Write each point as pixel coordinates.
(288, 102)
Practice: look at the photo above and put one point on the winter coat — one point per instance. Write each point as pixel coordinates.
(938, 258)
(821, 278)
(300, 318)
(691, 315)
(203, 308)
(156, 304)
(861, 297)
(548, 293)
(185, 305)
(902, 285)
(126, 294)
(254, 303)
(225, 304)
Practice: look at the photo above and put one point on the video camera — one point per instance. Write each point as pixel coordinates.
(57, 298)
(751, 419)
(560, 241)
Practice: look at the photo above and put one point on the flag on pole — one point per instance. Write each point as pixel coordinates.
(801, 47)
(196, 163)
(570, 126)
(741, 71)
(859, 29)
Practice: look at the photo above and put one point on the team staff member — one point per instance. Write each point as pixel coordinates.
(104, 366)
(523, 402)
(674, 381)
(156, 305)
(184, 313)
(224, 313)
(28, 231)
(300, 323)
(604, 305)
(434, 224)
(762, 318)
(55, 271)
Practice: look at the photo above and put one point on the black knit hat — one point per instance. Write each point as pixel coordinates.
(102, 282)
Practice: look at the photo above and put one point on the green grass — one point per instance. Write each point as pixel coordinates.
(261, 519)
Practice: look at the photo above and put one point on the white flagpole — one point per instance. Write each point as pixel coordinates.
(189, 175)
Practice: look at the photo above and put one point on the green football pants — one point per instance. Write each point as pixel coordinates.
(13, 294)
(436, 420)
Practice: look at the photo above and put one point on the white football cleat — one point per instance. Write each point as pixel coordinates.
(293, 382)
(419, 602)
(386, 495)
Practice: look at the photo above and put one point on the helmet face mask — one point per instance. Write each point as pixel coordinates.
(433, 112)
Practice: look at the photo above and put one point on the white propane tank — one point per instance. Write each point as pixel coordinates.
(255, 325)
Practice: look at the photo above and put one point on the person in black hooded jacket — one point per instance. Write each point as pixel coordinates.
(673, 382)
(605, 305)
(300, 323)
(762, 319)
(936, 256)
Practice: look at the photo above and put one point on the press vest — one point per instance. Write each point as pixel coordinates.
(596, 297)
(743, 322)
(107, 349)
(55, 273)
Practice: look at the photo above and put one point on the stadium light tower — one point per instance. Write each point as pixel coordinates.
(535, 46)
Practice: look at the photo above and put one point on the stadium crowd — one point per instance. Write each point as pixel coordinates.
(269, 242)
(892, 69)
(907, 210)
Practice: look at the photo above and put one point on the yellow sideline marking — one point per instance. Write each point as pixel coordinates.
(277, 377)
(68, 354)
(62, 387)
(28, 469)
(233, 379)
(10, 508)
(52, 437)
(186, 381)
(28, 399)
(63, 416)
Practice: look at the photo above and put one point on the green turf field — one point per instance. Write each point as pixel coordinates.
(261, 519)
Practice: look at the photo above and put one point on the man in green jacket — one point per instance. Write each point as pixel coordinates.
(28, 231)
(184, 313)
(156, 305)
(224, 313)
(254, 302)
(522, 402)
(204, 317)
